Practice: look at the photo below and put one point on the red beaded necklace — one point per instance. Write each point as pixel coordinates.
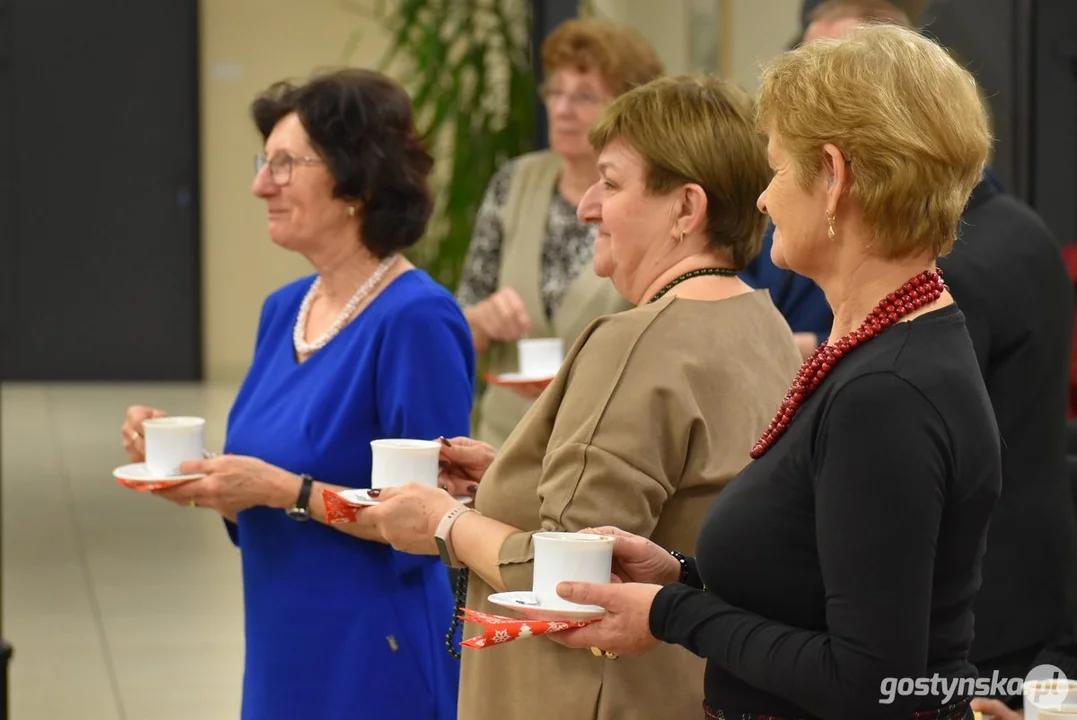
(925, 288)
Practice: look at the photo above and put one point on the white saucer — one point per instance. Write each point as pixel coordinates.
(139, 473)
(520, 379)
(361, 496)
(528, 605)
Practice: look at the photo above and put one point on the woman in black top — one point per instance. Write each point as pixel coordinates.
(836, 574)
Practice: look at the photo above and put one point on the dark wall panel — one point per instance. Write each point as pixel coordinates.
(100, 229)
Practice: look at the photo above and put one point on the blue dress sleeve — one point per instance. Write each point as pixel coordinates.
(426, 367)
(263, 326)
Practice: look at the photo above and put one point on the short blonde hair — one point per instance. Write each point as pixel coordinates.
(698, 130)
(619, 54)
(907, 117)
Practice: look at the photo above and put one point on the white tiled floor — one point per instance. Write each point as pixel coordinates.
(120, 606)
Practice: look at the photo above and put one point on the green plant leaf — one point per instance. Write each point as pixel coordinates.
(444, 52)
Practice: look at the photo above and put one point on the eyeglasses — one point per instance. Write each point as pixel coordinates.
(584, 100)
(281, 164)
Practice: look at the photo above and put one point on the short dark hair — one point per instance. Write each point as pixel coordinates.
(360, 122)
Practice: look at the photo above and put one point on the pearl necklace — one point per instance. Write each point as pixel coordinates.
(300, 331)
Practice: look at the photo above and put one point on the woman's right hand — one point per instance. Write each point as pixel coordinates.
(134, 441)
(502, 316)
(638, 559)
(463, 462)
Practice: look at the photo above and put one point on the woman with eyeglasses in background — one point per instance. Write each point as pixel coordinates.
(528, 270)
(338, 624)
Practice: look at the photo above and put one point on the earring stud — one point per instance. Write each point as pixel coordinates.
(830, 230)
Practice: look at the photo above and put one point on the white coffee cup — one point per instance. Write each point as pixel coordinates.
(1069, 712)
(567, 556)
(540, 357)
(399, 461)
(171, 441)
(1046, 699)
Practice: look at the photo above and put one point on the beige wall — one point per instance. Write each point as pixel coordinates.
(759, 29)
(246, 45)
(664, 23)
(755, 30)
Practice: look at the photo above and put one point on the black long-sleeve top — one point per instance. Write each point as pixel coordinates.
(851, 551)
(1062, 653)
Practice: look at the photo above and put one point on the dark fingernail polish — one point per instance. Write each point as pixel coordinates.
(445, 442)
(473, 489)
(445, 464)
(373, 493)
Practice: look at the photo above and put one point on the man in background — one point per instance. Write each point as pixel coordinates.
(911, 9)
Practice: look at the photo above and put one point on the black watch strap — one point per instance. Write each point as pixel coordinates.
(301, 509)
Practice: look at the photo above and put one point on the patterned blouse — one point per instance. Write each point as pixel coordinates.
(566, 248)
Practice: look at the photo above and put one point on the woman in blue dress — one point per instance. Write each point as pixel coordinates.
(338, 624)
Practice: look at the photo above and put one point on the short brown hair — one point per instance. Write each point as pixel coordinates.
(699, 130)
(619, 54)
(879, 11)
(904, 113)
(360, 122)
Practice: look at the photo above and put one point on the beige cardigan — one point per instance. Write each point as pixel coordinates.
(653, 413)
(524, 220)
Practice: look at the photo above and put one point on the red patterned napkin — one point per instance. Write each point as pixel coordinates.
(337, 509)
(150, 486)
(500, 630)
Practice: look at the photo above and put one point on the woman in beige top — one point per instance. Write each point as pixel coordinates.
(652, 413)
(528, 268)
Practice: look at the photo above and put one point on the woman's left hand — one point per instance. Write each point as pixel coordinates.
(408, 516)
(625, 630)
(232, 483)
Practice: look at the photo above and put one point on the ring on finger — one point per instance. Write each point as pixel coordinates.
(192, 503)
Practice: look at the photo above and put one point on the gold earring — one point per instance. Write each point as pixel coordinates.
(830, 231)
(682, 235)
(351, 211)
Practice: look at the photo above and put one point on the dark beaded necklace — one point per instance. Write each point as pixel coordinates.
(459, 601)
(921, 290)
(725, 272)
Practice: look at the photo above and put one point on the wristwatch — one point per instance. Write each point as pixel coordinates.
(441, 535)
(300, 511)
